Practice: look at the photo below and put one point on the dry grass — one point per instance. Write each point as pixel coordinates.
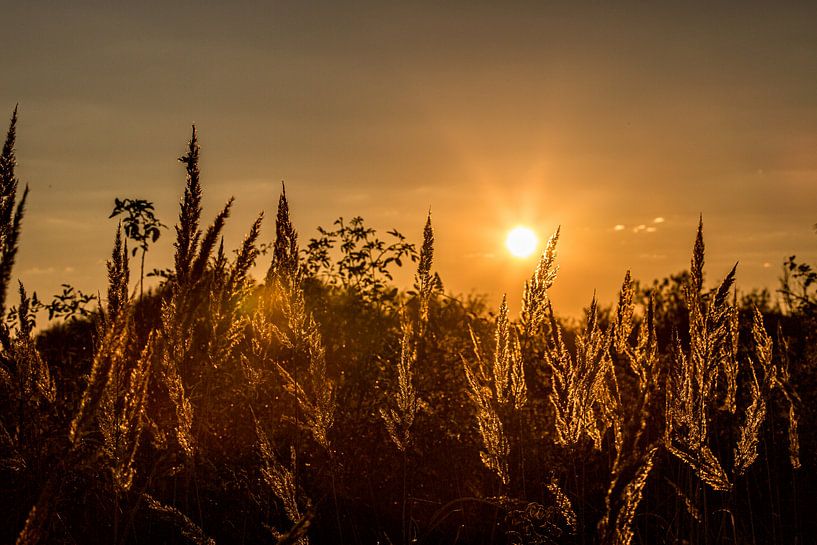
(198, 402)
(581, 393)
(280, 480)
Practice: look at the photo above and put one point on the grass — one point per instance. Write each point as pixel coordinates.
(311, 408)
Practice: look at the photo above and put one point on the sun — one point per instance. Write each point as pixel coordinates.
(521, 241)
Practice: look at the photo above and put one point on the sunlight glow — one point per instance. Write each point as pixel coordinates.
(521, 241)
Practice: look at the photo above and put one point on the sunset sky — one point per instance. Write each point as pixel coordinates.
(620, 123)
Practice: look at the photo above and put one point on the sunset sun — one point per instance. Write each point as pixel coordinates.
(521, 241)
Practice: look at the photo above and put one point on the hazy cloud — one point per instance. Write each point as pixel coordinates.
(38, 271)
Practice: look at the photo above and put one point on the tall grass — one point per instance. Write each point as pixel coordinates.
(295, 409)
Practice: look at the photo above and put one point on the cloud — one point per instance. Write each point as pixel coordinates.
(68, 224)
(643, 228)
(659, 219)
(39, 270)
(618, 227)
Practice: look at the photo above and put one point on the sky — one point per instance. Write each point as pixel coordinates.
(620, 122)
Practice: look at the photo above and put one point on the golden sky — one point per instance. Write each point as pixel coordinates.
(492, 114)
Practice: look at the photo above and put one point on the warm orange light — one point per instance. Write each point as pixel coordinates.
(521, 241)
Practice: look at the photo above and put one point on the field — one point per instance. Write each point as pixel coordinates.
(322, 404)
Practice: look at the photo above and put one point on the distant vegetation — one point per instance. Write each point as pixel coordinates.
(324, 405)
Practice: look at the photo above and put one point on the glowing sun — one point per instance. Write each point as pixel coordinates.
(521, 241)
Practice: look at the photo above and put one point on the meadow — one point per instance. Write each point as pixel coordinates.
(323, 404)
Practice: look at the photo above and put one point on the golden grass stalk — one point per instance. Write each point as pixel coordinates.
(730, 363)
(783, 383)
(690, 506)
(229, 285)
(187, 230)
(297, 533)
(29, 385)
(493, 389)
(496, 449)
(188, 529)
(122, 416)
(199, 326)
(642, 357)
(686, 431)
(313, 390)
(35, 529)
(400, 420)
(109, 354)
(113, 402)
(238, 277)
(175, 343)
(11, 217)
(280, 479)
(501, 367)
(563, 504)
(118, 279)
(774, 376)
(426, 282)
(745, 452)
(115, 399)
(285, 264)
(634, 459)
(29, 380)
(746, 448)
(205, 249)
(691, 384)
(633, 492)
(518, 388)
(535, 297)
(580, 393)
(794, 439)
(624, 322)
